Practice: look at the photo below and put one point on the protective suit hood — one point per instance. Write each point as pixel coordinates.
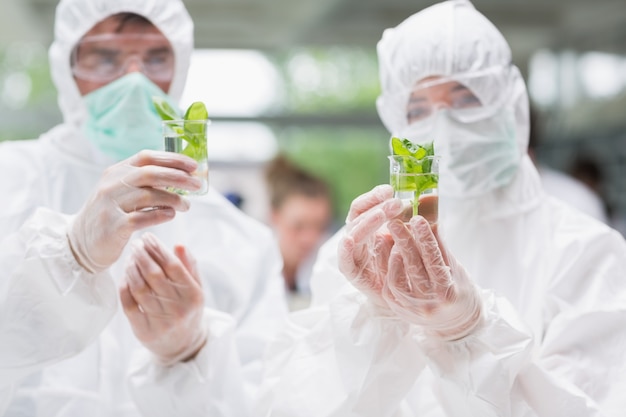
(443, 40)
(448, 39)
(76, 17)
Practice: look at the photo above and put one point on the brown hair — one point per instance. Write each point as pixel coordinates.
(285, 178)
(126, 18)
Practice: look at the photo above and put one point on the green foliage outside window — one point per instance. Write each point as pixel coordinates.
(342, 85)
(28, 104)
(323, 80)
(351, 160)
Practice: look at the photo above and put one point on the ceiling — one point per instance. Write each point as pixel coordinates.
(276, 24)
(270, 25)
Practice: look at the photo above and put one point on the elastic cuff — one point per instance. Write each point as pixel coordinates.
(191, 350)
(472, 323)
(77, 245)
(77, 256)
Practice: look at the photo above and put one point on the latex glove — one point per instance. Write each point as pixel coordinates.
(364, 250)
(163, 299)
(130, 196)
(425, 284)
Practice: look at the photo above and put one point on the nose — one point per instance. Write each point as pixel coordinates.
(133, 65)
(440, 105)
(310, 237)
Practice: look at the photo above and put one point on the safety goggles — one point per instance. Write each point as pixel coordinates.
(468, 97)
(104, 58)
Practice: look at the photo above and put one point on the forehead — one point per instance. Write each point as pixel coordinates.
(128, 35)
(114, 24)
(303, 206)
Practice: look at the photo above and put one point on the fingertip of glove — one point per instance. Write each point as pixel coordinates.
(395, 226)
(185, 204)
(420, 224)
(148, 239)
(418, 220)
(392, 207)
(384, 190)
(136, 246)
(182, 253)
(346, 243)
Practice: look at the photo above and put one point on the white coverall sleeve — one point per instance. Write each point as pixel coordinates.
(340, 360)
(354, 360)
(211, 384)
(576, 366)
(224, 377)
(477, 375)
(50, 307)
(579, 369)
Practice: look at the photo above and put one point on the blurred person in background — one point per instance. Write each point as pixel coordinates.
(173, 323)
(301, 213)
(563, 185)
(513, 304)
(590, 172)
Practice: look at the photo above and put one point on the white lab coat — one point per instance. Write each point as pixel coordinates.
(65, 345)
(552, 341)
(66, 348)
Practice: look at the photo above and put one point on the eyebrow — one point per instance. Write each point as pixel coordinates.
(458, 87)
(160, 49)
(103, 50)
(413, 99)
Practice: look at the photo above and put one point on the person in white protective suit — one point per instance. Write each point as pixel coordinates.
(85, 221)
(514, 305)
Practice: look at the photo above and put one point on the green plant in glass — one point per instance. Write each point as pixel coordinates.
(193, 133)
(414, 170)
(186, 135)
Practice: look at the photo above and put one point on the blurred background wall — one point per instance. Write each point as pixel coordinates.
(300, 76)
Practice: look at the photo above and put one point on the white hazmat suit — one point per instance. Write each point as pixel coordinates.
(66, 348)
(551, 340)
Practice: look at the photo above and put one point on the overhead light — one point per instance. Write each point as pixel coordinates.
(231, 82)
(602, 74)
(542, 78)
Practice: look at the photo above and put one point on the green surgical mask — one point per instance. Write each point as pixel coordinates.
(122, 119)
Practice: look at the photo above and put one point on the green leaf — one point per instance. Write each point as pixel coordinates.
(192, 132)
(196, 111)
(420, 163)
(163, 108)
(398, 147)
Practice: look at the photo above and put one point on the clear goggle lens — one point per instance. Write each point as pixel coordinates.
(468, 97)
(103, 58)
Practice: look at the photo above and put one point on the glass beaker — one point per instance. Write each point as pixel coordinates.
(416, 182)
(189, 137)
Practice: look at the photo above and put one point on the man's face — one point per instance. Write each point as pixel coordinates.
(300, 223)
(112, 49)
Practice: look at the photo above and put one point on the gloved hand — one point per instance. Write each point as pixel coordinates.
(364, 250)
(425, 284)
(130, 196)
(163, 300)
